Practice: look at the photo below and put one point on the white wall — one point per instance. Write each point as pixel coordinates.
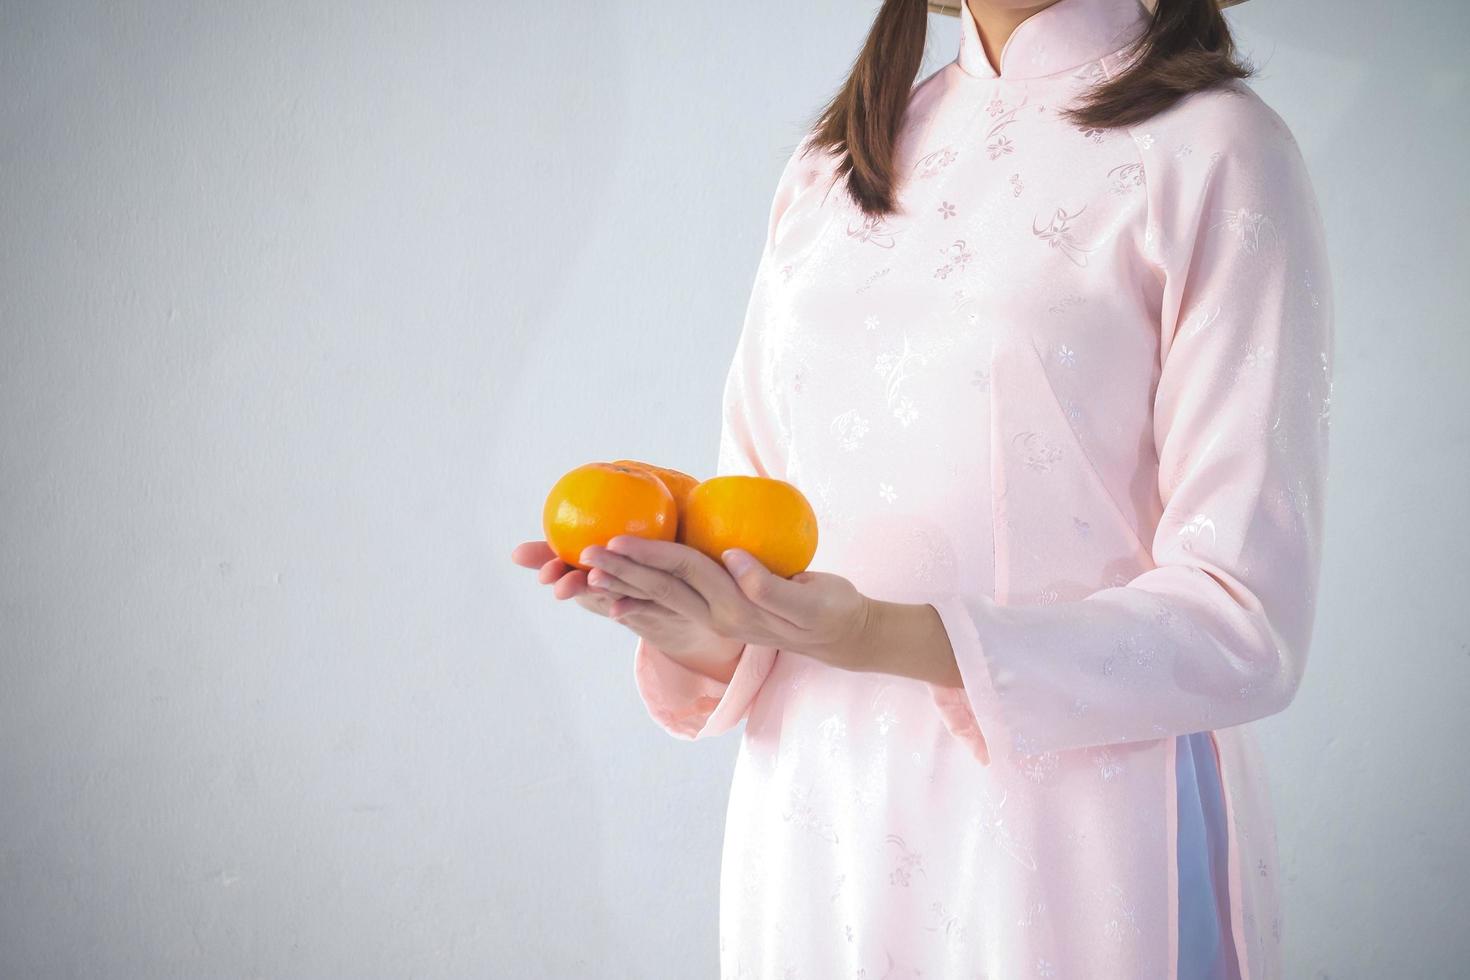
(303, 305)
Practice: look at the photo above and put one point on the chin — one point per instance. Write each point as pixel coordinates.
(1010, 4)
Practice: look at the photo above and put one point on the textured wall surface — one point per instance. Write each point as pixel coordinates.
(304, 305)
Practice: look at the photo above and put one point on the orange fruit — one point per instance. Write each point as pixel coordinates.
(769, 518)
(679, 483)
(597, 501)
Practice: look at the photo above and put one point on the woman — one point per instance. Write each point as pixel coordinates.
(1046, 339)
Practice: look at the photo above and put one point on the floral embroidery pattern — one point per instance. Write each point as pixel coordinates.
(946, 210)
(952, 926)
(931, 164)
(871, 229)
(895, 368)
(997, 145)
(1037, 767)
(1126, 651)
(822, 503)
(1033, 909)
(994, 825)
(1126, 177)
(802, 814)
(958, 255)
(862, 973)
(833, 730)
(1248, 228)
(1066, 303)
(1035, 452)
(961, 300)
(1058, 234)
(868, 282)
(934, 558)
(909, 862)
(850, 428)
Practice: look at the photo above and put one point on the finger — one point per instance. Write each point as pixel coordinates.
(578, 585)
(640, 612)
(599, 603)
(571, 584)
(553, 571)
(603, 579)
(784, 599)
(668, 587)
(532, 554)
(703, 575)
(787, 601)
(711, 581)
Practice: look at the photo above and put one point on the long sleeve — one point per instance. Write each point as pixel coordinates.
(684, 702)
(1216, 633)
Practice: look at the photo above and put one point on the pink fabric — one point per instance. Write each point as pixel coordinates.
(1075, 396)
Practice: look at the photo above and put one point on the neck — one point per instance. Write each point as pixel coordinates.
(996, 20)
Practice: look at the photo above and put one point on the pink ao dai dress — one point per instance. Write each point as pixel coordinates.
(1076, 397)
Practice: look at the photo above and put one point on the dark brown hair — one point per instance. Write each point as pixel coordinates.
(1185, 47)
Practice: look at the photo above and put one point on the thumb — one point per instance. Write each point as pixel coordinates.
(764, 587)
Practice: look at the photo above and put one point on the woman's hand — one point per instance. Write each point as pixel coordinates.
(703, 614)
(689, 641)
(816, 614)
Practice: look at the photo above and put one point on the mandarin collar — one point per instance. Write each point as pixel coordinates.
(1066, 35)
